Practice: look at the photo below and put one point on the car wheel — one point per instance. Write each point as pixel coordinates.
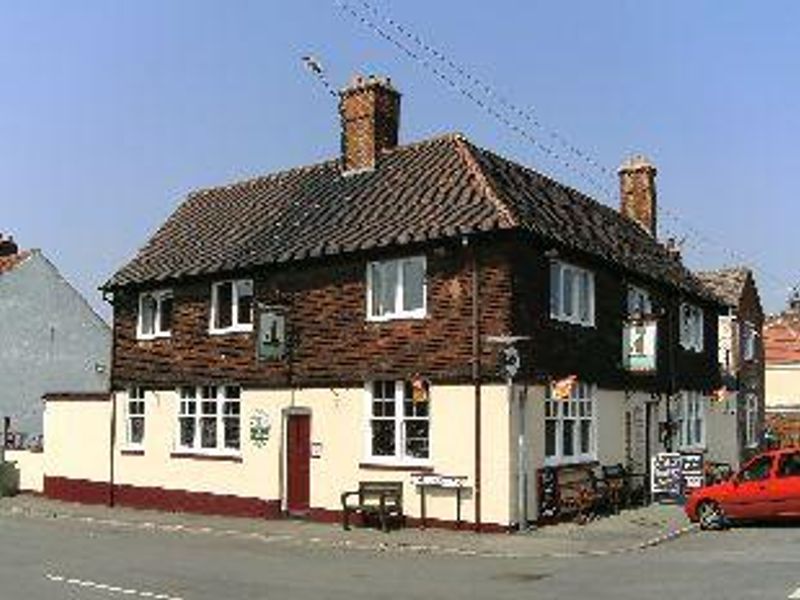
(710, 515)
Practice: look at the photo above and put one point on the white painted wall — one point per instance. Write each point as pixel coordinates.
(30, 468)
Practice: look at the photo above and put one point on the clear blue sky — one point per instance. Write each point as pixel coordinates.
(110, 112)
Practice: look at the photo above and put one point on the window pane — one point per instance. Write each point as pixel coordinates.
(584, 306)
(244, 311)
(208, 432)
(550, 438)
(376, 282)
(383, 438)
(166, 314)
(413, 284)
(757, 470)
(148, 308)
(224, 305)
(388, 293)
(569, 284)
(187, 433)
(585, 436)
(555, 288)
(568, 437)
(136, 430)
(231, 425)
(417, 432)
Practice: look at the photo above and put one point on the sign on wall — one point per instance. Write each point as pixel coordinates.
(260, 427)
(639, 345)
(271, 334)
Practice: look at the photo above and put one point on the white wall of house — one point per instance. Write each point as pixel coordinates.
(77, 440)
(52, 341)
(337, 429)
(782, 386)
(29, 467)
(722, 443)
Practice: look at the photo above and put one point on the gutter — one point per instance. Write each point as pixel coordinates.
(476, 378)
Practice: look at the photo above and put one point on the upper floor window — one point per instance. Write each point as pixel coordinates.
(690, 420)
(748, 341)
(639, 304)
(691, 324)
(155, 314)
(571, 294)
(398, 427)
(232, 306)
(396, 289)
(569, 425)
(208, 419)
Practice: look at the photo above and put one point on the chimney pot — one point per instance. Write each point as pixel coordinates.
(8, 246)
(637, 183)
(369, 108)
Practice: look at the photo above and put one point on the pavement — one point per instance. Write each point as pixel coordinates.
(631, 530)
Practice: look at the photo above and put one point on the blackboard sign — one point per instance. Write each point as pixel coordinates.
(548, 493)
(666, 470)
(692, 471)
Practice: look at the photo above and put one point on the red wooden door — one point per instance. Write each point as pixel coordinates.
(298, 451)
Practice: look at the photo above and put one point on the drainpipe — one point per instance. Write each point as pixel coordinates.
(113, 433)
(476, 379)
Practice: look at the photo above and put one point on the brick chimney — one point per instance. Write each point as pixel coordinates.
(637, 186)
(370, 111)
(7, 246)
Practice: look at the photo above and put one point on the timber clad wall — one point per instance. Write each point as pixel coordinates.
(595, 353)
(327, 315)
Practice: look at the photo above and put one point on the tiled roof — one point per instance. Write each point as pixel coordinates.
(439, 188)
(10, 262)
(782, 338)
(726, 284)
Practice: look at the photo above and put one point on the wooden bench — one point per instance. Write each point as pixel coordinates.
(381, 499)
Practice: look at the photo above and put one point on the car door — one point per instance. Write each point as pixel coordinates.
(787, 484)
(751, 490)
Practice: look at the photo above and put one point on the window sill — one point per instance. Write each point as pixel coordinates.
(410, 316)
(568, 321)
(571, 462)
(156, 336)
(206, 456)
(230, 330)
(379, 466)
(132, 451)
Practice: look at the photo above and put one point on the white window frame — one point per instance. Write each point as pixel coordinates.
(223, 396)
(558, 270)
(235, 326)
(691, 406)
(639, 303)
(399, 458)
(751, 419)
(398, 313)
(135, 407)
(158, 331)
(691, 327)
(580, 407)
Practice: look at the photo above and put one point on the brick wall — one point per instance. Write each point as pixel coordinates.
(335, 344)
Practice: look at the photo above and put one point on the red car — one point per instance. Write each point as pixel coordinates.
(766, 487)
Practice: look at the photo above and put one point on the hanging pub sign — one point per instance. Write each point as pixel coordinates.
(420, 389)
(639, 345)
(562, 388)
(271, 334)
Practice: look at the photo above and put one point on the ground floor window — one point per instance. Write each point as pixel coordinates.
(690, 420)
(569, 425)
(134, 417)
(398, 428)
(209, 418)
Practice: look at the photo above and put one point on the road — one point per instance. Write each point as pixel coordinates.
(50, 559)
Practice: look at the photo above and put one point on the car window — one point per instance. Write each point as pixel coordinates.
(756, 470)
(790, 465)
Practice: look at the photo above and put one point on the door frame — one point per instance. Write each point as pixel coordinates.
(286, 414)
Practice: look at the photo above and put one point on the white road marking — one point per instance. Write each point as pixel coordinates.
(795, 595)
(111, 589)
